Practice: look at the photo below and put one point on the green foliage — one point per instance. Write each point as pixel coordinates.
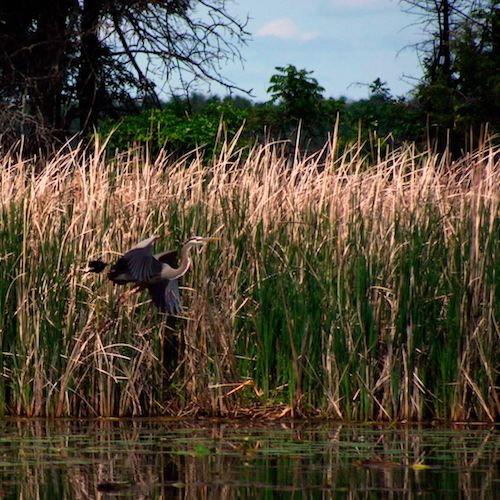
(176, 128)
(384, 117)
(477, 64)
(460, 91)
(298, 95)
(182, 126)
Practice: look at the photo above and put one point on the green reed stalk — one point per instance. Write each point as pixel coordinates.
(352, 290)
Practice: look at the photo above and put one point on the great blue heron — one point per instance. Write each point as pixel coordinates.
(159, 273)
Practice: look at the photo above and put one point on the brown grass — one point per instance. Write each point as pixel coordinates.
(360, 291)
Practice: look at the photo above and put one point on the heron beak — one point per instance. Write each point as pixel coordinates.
(211, 238)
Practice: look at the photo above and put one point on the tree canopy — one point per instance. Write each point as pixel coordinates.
(70, 65)
(461, 63)
(70, 62)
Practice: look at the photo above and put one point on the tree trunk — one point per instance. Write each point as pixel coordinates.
(50, 66)
(444, 43)
(88, 76)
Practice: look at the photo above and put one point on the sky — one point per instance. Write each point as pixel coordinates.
(345, 43)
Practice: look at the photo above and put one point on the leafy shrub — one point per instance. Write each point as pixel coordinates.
(175, 128)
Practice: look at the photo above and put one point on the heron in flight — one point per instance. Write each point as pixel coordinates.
(159, 273)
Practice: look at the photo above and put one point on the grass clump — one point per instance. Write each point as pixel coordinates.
(341, 288)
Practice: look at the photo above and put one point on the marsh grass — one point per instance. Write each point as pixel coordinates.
(340, 288)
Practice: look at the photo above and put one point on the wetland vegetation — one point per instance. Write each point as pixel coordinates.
(342, 287)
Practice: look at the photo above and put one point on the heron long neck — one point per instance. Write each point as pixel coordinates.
(172, 273)
(185, 261)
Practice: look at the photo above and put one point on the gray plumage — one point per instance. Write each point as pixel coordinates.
(159, 273)
(137, 265)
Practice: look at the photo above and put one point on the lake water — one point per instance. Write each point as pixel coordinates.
(220, 459)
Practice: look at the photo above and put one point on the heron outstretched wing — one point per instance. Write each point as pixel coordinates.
(165, 296)
(140, 261)
(169, 257)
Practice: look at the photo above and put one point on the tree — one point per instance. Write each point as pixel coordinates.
(62, 60)
(298, 93)
(460, 59)
(477, 63)
(299, 99)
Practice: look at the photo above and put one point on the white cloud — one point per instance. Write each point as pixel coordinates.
(356, 4)
(285, 29)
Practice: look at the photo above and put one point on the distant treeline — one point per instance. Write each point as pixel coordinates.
(184, 124)
(298, 112)
(452, 108)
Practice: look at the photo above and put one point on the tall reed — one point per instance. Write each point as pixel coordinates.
(339, 288)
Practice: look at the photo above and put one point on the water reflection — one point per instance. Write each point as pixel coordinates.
(227, 459)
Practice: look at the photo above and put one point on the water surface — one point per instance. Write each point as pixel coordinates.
(139, 458)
